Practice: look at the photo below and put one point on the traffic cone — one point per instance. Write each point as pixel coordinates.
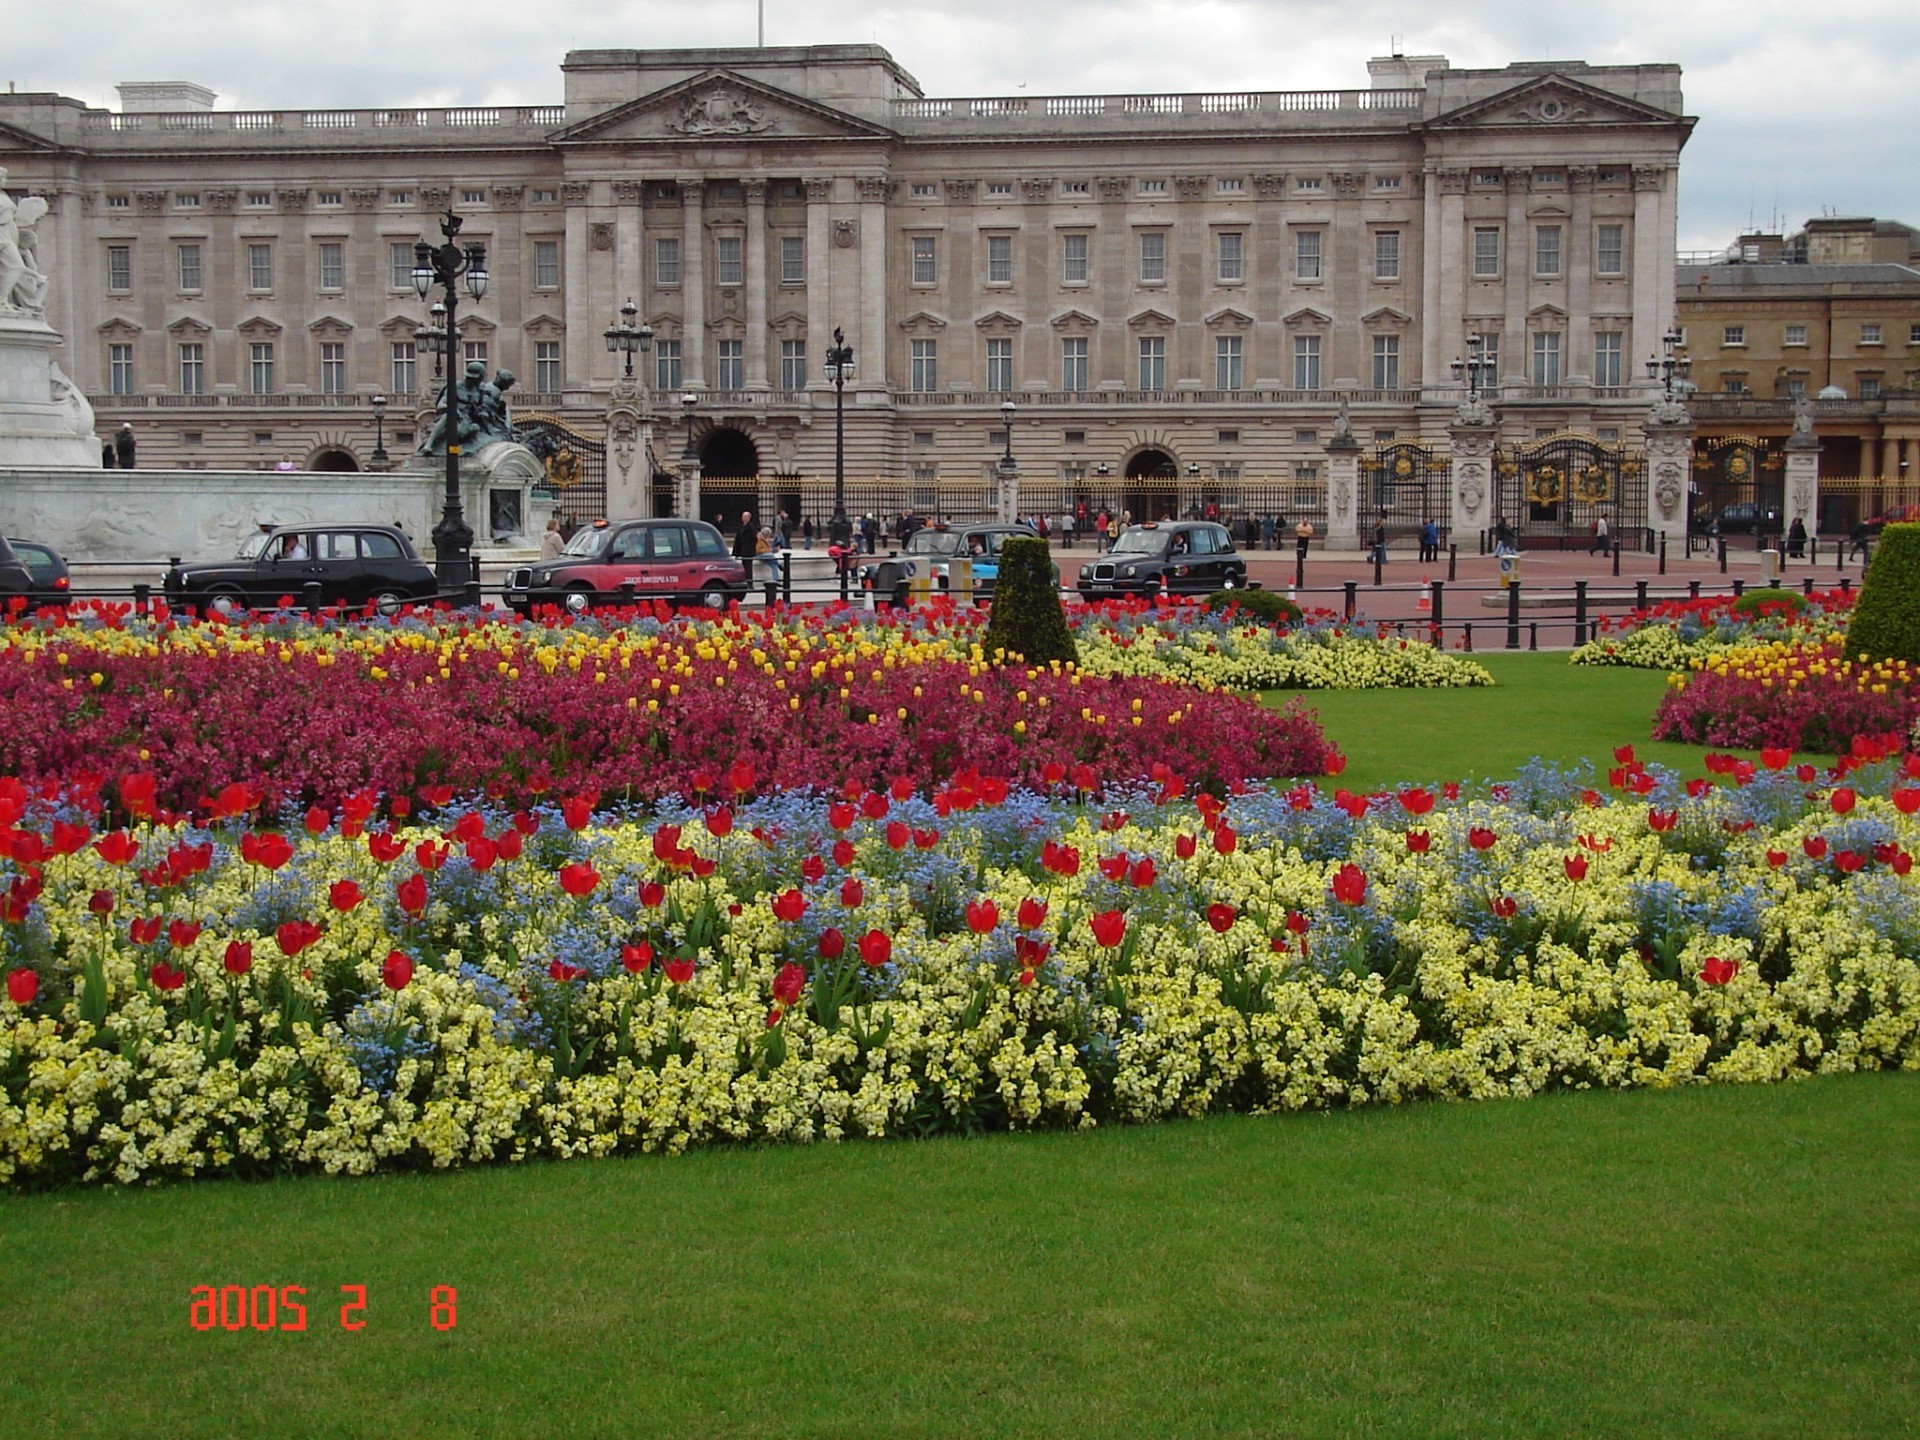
(1290, 594)
(1426, 595)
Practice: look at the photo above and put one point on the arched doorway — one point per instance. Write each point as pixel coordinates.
(334, 461)
(1152, 489)
(729, 478)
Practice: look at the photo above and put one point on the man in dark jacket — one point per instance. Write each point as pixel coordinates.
(746, 540)
(123, 447)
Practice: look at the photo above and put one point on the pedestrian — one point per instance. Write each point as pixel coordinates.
(1100, 523)
(806, 532)
(1502, 536)
(1302, 537)
(286, 463)
(1429, 543)
(1860, 542)
(123, 447)
(781, 533)
(746, 542)
(1797, 539)
(1266, 532)
(552, 542)
(767, 553)
(1380, 542)
(1073, 525)
(1601, 540)
(106, 455)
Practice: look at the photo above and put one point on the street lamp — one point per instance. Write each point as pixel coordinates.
(432, 336)
(379, 456)
(625, 337)
(1007, 411)
(1666, 366)
(839, 370)
(444, 265)
(689, 402)
(1477, 367)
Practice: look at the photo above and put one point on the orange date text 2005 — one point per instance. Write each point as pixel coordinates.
(285, 1307)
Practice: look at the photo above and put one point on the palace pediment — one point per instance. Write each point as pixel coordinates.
(1552, 100)
(717, 105)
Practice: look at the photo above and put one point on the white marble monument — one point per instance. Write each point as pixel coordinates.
(44, 419)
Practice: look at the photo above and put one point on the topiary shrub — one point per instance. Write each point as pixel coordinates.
(1266, 605)
(1886, 618)
(1028, 623)
(1768, 599)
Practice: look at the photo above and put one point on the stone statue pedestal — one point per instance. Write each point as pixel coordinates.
(497, 493)
(44, 419)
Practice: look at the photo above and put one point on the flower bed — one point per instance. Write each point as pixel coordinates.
(309, 713)
(341, 995)
(1799, 695)
(1676, 633)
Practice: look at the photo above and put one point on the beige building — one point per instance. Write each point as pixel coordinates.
(1179, 292)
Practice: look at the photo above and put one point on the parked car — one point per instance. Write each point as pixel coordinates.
(1166, 557)
(354, 565)
(47, 581)
(1898, 515)
(932, 550)
(684, 562)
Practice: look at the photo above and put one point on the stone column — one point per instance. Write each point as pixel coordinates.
(629, 225)
(1576, 365)
(1343, 486)
(1445, 281)
(1006, 507)
(629, 483)
(1516, 359)
(871, 365)
(1669, 432)
(819, 280)
(1470, 481)
(1648, 237)
(1803, 476)
(583, 346)
(755, 261)
(693, 284)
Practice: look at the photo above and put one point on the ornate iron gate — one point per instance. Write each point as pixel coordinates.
(1403, 486)
(576, 468)
(1739, 481)
(1552, 492)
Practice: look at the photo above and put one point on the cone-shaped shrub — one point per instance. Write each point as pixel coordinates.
(1886, 618)
(1027, 619)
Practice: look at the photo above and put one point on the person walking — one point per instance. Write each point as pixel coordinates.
(1429, 543)
(746, 541)
(123, 447)
(1797, 539)
(1302, 537)
(1100, 523)
(552, 542)
(1602, 541)
(806, 532)
(1380, 542)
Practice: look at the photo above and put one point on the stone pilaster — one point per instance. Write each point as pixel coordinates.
(693, 284)
(871, 369)
(1006, 506)
(755, 260)
(1803, 474)
(819, 277)
(1343, 486)
(1470, 484)
(629, 480)
(1669, 479)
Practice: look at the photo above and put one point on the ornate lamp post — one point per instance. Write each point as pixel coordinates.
(379, 456)
(625, 337)
(1007, 411)
(432, 336)
(444, 265)
(1665, 366)
(839, 370)
(1477, 368)
(689, 402)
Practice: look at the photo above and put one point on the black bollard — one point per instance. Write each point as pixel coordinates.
(1723, 554)
(1300, 566)
(1466, 637)
(470, 592)
(1663, 552)
(1693, 589)
(1739, 588)
(1379, 559)
(786, 579)
(1439, 620)
(1453, 562)
(142, 597)
(1616, 557)
(1639, 594)
(1352, 588)
(1806, 587)
(1580, 612)
(1533, 635)
(1513, 616)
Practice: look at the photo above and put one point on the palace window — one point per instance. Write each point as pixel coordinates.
(1153, 362)
(1386, 362)
(1794, 335)
(1610, 250)
(924, 271)
(924, 367)
(405, 374)
(793, 364)
(1073, 363)
(1386, 255)
(260, 269)
(729, 365)
(666, 262)
(1546, 358)
(333, 265)
(793, 259)
(333, 368)
(546, 264)
(1073, 259)
(1486, 251)
(120, 267)
(1153, 257)
(189, 256)
(666, 364)
(1226, 362)
(1306, 255)
(546, 367)
(999, 259)
(193, 369)
(728, 265)
(999, 365)
(1232, 267)
(1306, 362)
(1546, 250)
(120, 369)
(260, 367)
(1607, 369)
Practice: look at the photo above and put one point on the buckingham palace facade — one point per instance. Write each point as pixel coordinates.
(1180, 293)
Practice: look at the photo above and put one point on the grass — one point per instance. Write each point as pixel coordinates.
(1732, 1261)
(1539, 706)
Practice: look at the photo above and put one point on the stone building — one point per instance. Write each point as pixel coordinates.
(1829, 315)
(1186, 296)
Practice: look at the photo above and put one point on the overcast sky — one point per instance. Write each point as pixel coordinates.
(1805, 108)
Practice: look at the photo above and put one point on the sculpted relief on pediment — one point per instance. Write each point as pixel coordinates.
(719, 110)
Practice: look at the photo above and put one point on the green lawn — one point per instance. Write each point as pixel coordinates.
(1539, 706)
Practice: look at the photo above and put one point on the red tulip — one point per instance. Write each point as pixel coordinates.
(1504, 906)
(1350, 884)
(1142, 875)
(840, 815)
(1775, 758)
(1114, 867)
(22, 986)
(813, 869)
(238, 959)
(1847, 862)
(1481, 838)
(1804, 773)
(1814, 847)
(1906, 799)
(68, 838)
(137, 793)
(1416, 801)
(470, 826)
(982, 916)
(182, 933)
(560, 970)
(678, 972)
(636, 957)
(1662, 821)
(165, 977)
(234, 801)
(1109, 927)
(438, 796)
(1842, 800)
(1419, 841)
(116, 848)
(318, 819)
(429, 855)
(1902, 863)
(702, 867)
(1575, 866)
(1776, 858)
(925, 839)
(788, 983)
(579, 879)
(482, 852)
(719, 822)
(897, 835)
(1221, 916)
(1623, 754)
(269, 851)
(852, 893)
(396, 972)
(412, 894)
(344, 895)
(101, 902)
(295, 936)
(385, 846)
(740, 777)
(1697, 787)
(400, 807)
(843, 852)
(1114, 821)
(1297, 923)
(145, 930)
(1225, 842)
(876, 948)
(789, 905)
(832, 944)
(1183, 846)
(653, 894)
(1715, 971)
(1033, 913)
(874, 805)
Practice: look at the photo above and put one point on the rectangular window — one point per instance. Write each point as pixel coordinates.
(1386, 255)
(472, 350)
(546, 264)
(1794, 335)
(473, 197)
(1000, 188)
(1870, 335)
(1610, 250)
(1869, 387)
(1386, 362)
(333, 368)
(120, 369)
(1606, 356)
(189, 267)
(120, 267)
(260, 366)
(1153, 362)
(1913, 333)
(1231, 187)
(259, 267)
(193, 369)
(1153, 187)
(666, 262)
(1306, 362)
(400, 262)
(793, 364)
(924, 190)
(406, 368)
(1226, 362)
(666, 364)
(1153, 258)
(1546, 250)
(1490, 359)
(999, 259)
(333, 265)
(923, 260)
(999, 365)
(1733, 335)
(729, 371)
(1073, 363)
(1232, 266)
(727, 265)
(1486, 251)
(546, 367)
(924, 376)
(1546, 358)
(793, 259)
(1073, 259)
(1306, 255)
(1796, 387)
